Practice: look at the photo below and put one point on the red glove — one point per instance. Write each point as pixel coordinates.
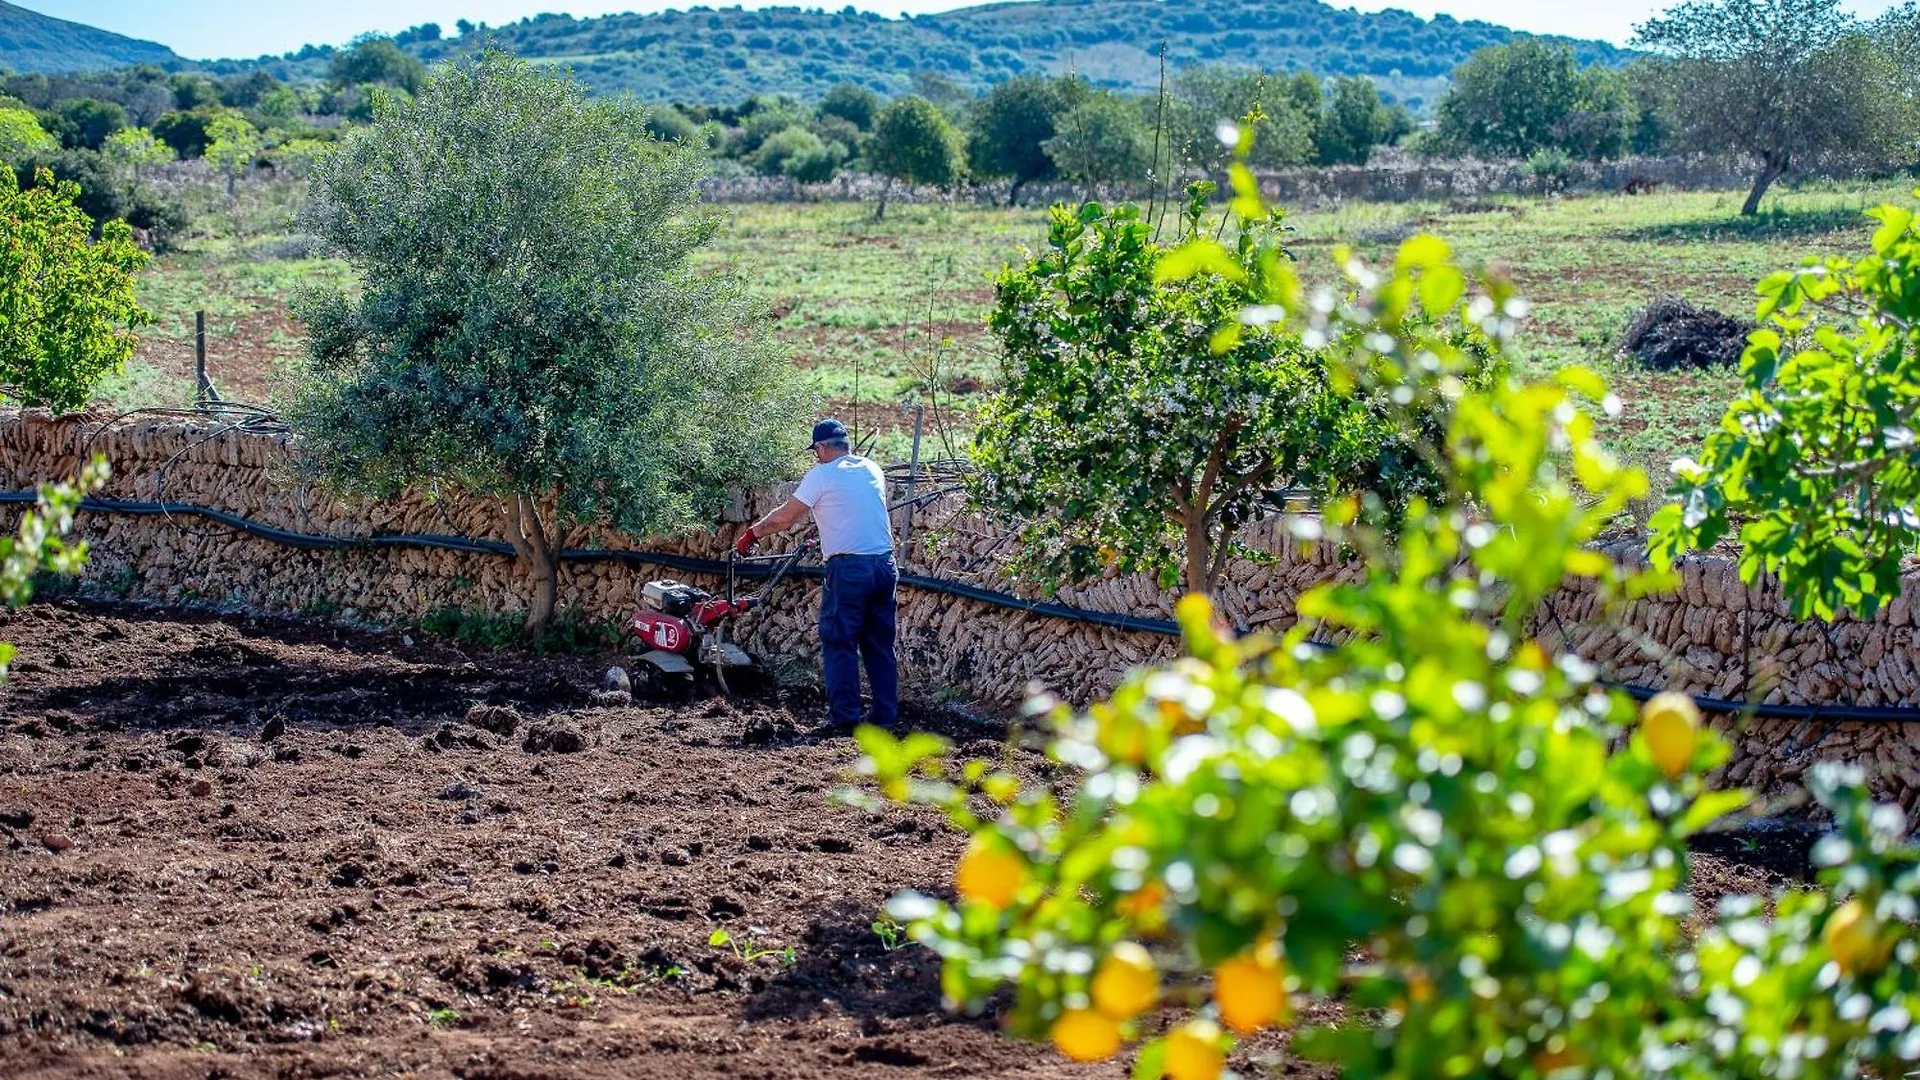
(744, 545)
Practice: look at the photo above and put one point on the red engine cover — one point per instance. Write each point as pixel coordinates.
(663, 632)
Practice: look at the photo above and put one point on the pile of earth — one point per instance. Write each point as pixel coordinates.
(1671, 334)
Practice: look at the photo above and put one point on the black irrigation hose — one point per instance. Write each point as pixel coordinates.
(695, 565)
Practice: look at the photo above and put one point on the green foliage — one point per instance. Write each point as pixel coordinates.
(855, 104)
(800, 154)
(21, 135)
(186, 132)
(134, 149)
(669, 123)
(38, 544)
(1780, 81)
(232, 145)
(1531, 95)
(1132, 429)
(752, 947)
(105, 192)
(565, 635)
(528, 328)
(1281, 111)
(1814, 462)
(377, 60)
(1355, 121)
(84, 123)
(297, 157)
(67, 309)
(1103, 139)
(1551, 169)
(1430, 822)
(1008, 126)
(914, 142)
(728, 53)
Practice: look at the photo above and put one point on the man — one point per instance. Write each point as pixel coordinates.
(847, 495)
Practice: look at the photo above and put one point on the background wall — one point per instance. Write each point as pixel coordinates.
(1714, 636)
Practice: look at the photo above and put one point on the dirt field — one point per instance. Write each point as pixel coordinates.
(236, 848)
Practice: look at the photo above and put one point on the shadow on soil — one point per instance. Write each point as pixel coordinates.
(226, 673)
(1779, 224)
(842, 959)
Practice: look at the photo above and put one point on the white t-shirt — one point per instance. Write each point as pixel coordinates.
(849, 500)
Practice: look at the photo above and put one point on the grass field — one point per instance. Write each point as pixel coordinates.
(886, 314)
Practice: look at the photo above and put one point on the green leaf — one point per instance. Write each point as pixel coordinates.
(1195, 258)
(1422, 252)
(1710, 807)
(1151, 1063)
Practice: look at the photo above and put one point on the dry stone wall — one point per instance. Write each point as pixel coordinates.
(1713, 636)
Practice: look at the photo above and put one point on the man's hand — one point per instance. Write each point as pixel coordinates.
(744, 545)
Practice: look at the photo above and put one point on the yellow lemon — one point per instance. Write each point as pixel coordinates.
(1193, 1052)
(1143, 907)
(1251, 990)
(1085, 1035)
(1852, 935)
(1126, 983)
(989, 874)
(1671, 726)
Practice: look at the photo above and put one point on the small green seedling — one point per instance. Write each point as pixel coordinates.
(751, 949)
(442, 1018)
(891, 934)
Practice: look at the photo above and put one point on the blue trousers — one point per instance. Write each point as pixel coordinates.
(857, 624)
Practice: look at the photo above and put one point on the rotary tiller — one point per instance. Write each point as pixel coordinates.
(681, 631)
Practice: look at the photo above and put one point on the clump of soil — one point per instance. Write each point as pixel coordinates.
(1671, 334)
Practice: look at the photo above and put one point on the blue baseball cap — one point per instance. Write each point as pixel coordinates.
(826, 431)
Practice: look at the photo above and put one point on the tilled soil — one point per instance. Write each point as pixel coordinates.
(234, 848)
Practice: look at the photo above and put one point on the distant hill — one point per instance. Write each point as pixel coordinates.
(32, 42)
(715, 56)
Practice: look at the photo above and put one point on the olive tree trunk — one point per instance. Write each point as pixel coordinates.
(537, 553)
(1770, 170)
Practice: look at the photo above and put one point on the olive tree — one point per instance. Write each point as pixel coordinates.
(1355, 121)
(1009, 125)
(914, 142)
(528, 328)
(1132, 430)
(67, 308)
(1529, 95)
(1103, 139)
(1780, 81)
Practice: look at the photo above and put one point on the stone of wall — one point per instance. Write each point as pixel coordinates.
(1714, 636)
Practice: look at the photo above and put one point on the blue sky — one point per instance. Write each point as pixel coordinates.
(246, 28)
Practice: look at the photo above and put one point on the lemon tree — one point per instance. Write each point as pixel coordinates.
(1466, 840)
(1140, 423)
(67, 309)
(1815, 465)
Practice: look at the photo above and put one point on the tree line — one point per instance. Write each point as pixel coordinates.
(1781, 82)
